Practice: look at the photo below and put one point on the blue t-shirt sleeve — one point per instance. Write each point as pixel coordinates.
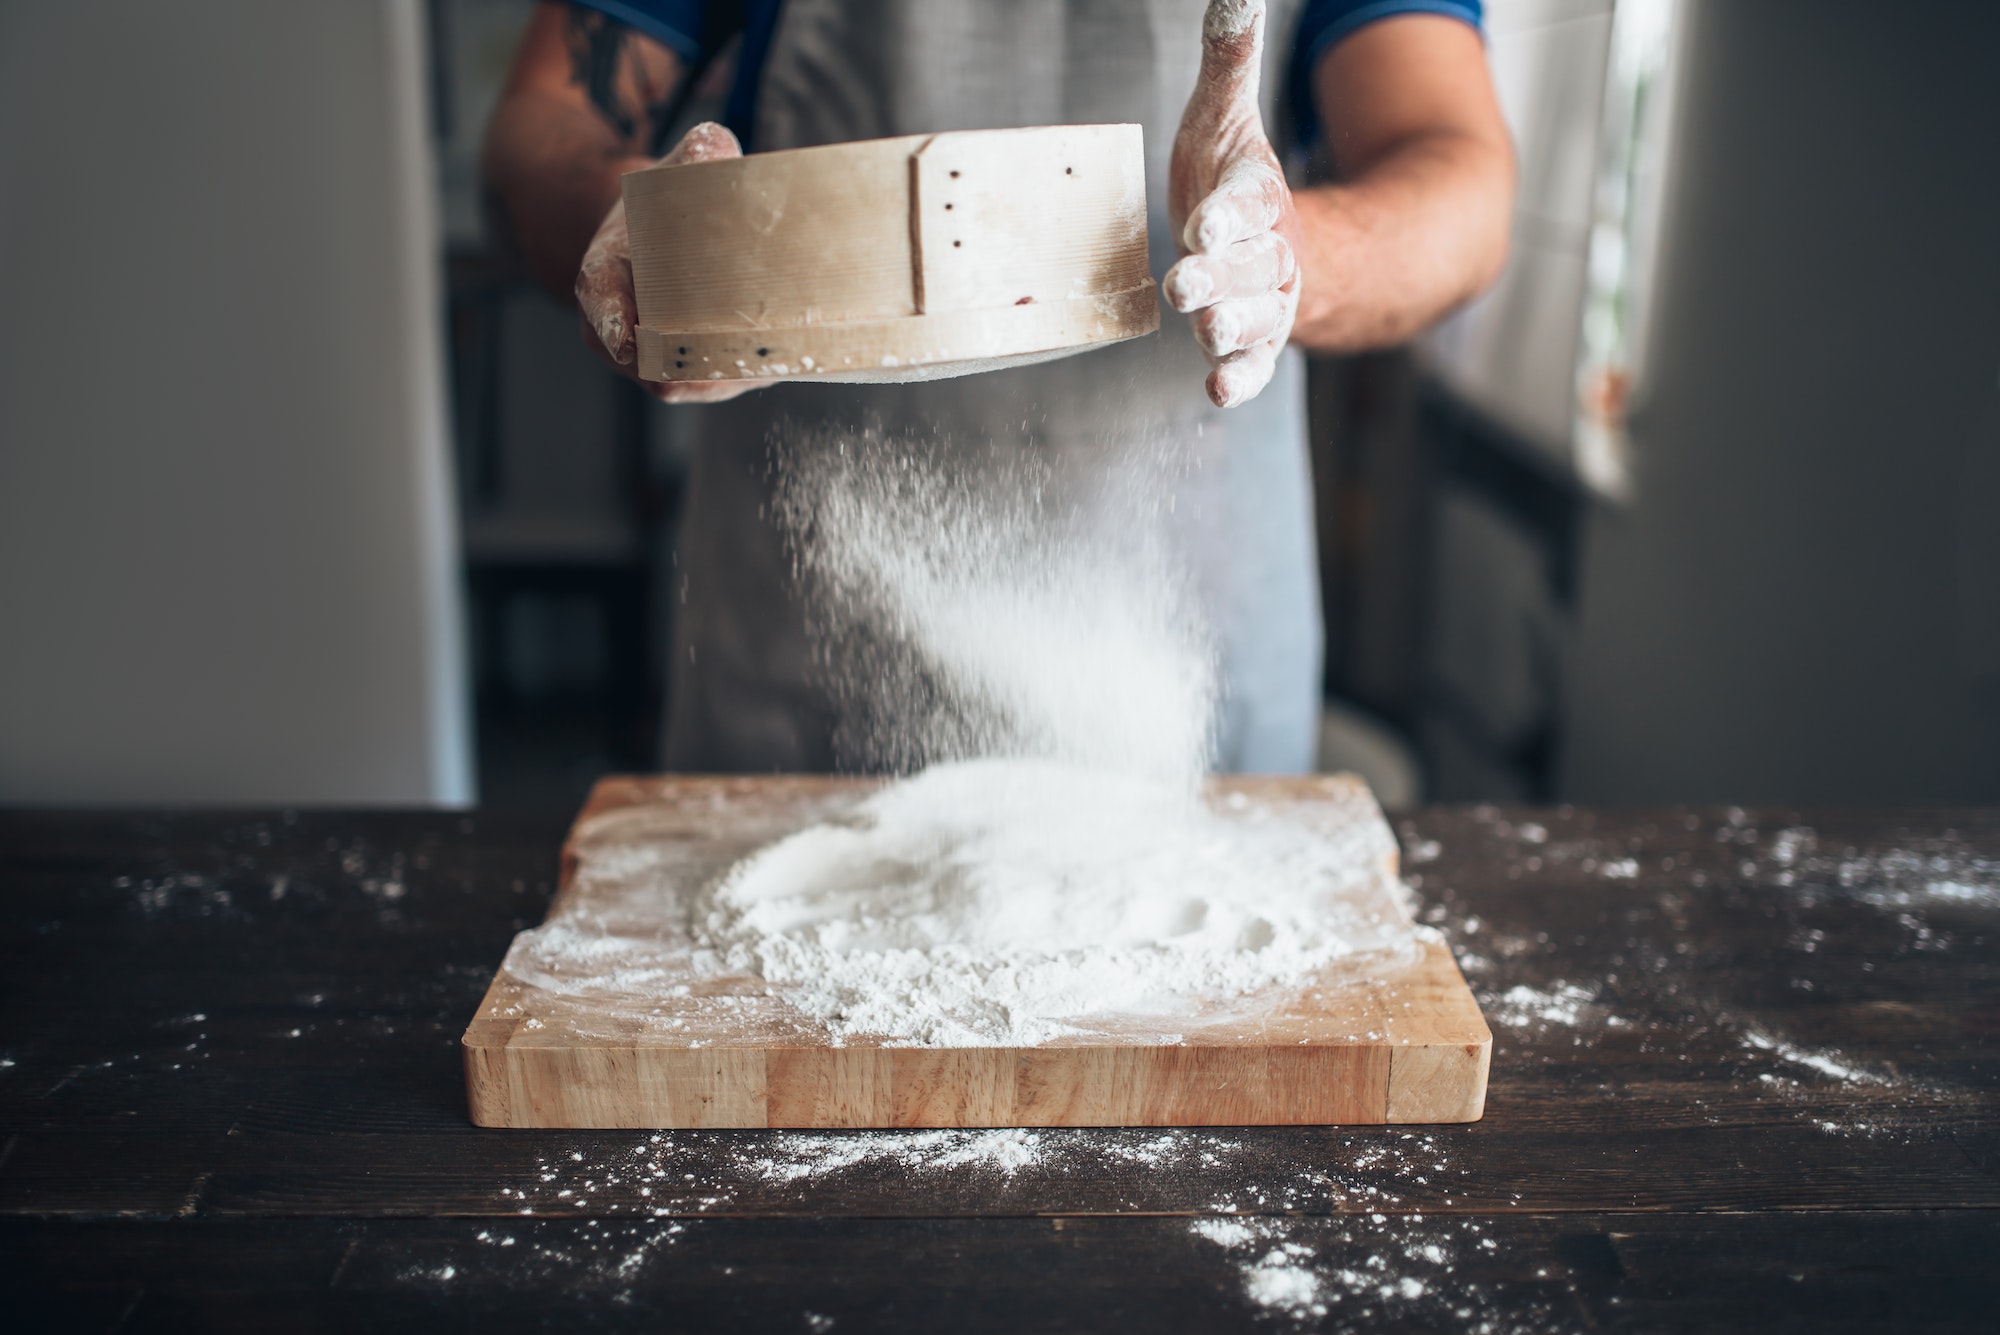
(1323, 23)
(676, 23)
(684, 26)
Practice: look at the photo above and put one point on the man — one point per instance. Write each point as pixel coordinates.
(1415, 224)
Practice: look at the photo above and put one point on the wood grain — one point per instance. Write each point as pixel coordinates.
(892, 259)
(1407, 1048)
(798, 237)
(1828, 1271)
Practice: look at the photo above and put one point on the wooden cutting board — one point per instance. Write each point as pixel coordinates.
(1407, 1048)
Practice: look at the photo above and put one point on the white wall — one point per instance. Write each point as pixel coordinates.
(227, 565)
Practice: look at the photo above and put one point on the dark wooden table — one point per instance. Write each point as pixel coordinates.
(1745, 1077)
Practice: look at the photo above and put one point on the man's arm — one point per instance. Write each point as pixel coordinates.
(1417, 224)
(579, 110)
(1418, 221)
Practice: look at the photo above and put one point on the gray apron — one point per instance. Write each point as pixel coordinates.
(744, 696)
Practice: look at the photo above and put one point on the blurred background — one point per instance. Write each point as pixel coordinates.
(307, 496)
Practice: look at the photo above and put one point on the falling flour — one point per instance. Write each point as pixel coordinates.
(1053, 866)
(984, 601)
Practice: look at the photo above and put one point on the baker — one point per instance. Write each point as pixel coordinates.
(1414, 225)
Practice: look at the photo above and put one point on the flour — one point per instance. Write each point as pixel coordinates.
(1025, 642)
(1232, 1177)
(1008, 902)
(1224, 1232)
(1524, 1007)
(1393, 1271)
(811, 1155)
(1827, 1064)
(968, 601)
(1282, 1280)
(1053, 866)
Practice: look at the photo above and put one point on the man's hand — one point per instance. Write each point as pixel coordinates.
(604, 282)
(583, 106)
(1232, 212)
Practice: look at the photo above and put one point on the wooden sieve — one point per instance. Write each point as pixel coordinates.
(913, 258)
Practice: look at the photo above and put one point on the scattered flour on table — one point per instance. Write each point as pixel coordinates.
(1863, 1102)
(1395, 1271)
(1524, 1007)
(1327, 1231)
(597, 1257)
(1224, 1232)
(1232, 1173)
(663, 1174)
(1280, 1280)
(1828, 1064)
(1306, 1233)
(808, 1155)
(1933, 872)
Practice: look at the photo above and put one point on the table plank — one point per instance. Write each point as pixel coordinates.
(1835, 1271)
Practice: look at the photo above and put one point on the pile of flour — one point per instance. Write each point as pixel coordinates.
(1010, 901)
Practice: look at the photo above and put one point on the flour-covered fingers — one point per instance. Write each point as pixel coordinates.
(706, 142)
(1231, 326)
(1237, 273)
(1241, 375)
(1244, 269)
(604, 289)
(1249, 199)
(1232, 50)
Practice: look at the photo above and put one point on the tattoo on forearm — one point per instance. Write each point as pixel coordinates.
(606, 65)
